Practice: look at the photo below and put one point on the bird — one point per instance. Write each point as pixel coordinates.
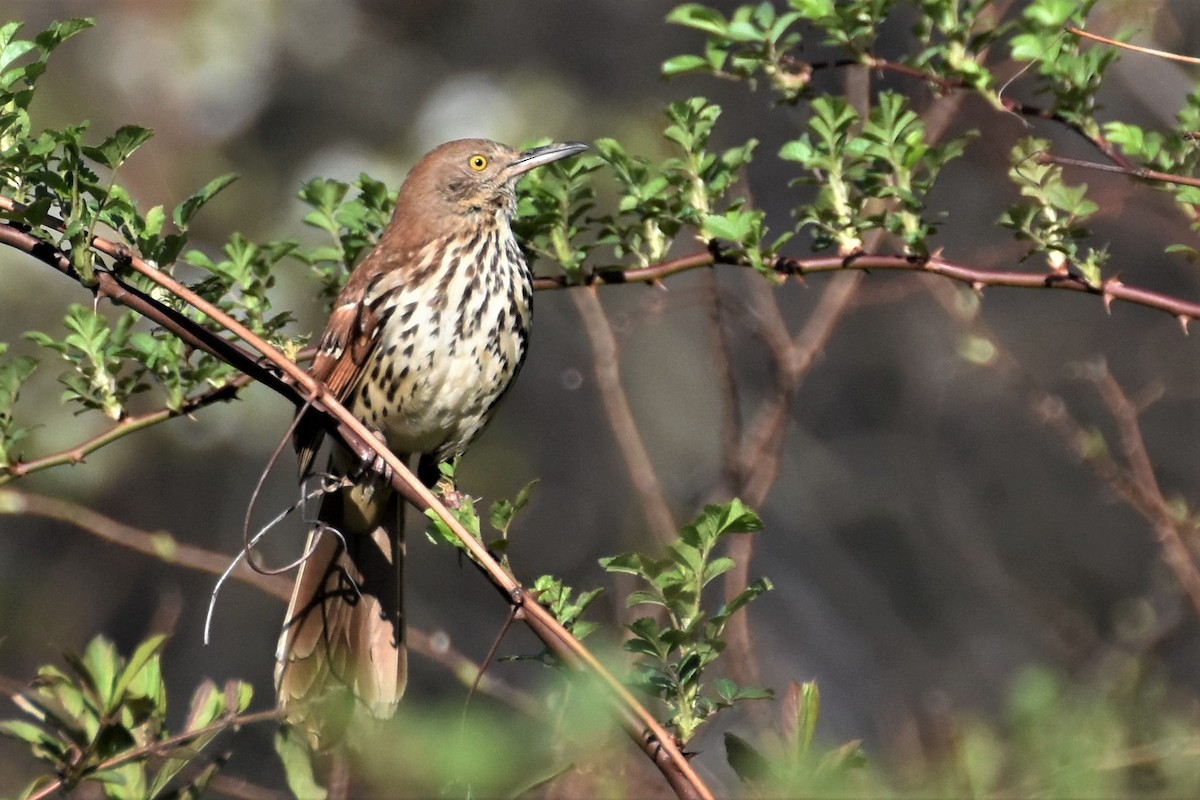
(422, 342)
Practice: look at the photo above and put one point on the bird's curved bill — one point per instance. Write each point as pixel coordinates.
(537, 156)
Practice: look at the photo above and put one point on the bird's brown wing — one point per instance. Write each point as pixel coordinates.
(342, 352)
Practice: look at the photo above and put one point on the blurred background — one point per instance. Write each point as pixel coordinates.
(929, 538)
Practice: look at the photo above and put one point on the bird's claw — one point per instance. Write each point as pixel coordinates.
(373, 469)
(450, 495)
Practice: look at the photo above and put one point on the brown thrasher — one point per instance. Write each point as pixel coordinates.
(425, 338)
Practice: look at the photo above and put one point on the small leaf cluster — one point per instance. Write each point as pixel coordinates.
(240, 281)
(55, 173)
(98, 354)
(1052, 213)
(501, 514)
(552, 211)
(566, 606)
(955, 35)
(850, 24)
(1068, 70)
(872, 174)
(761, 40)
(658, 200)
(17, 82)
(755, 39)
(675, 652)
(66, 191)
(1174, 152)
(13, 372)
(352, 221)
(109, 362)
(100, 721)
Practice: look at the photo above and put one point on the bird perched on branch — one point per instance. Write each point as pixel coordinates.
(425, 338)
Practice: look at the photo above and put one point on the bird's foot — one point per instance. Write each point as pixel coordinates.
(449, 494)
(373, 469)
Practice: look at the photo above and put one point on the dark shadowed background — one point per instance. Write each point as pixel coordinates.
(928, 536)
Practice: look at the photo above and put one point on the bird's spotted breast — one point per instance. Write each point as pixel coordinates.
(433, 393)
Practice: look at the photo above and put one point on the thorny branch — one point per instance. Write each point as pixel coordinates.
(978, 279)
(298, 387)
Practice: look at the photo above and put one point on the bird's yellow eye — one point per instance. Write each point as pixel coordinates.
(478, 162)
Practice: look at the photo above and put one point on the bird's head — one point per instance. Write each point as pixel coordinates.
(469, 178)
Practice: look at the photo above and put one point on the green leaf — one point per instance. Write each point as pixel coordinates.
(26, 732)
(699, 17)
(185, 211)
(145, 653)
(749, 764)
(681, 65)
(297, 764)
(114, 150)
(58, 32)
(98, 666)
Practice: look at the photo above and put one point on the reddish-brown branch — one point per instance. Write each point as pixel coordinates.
(978, 279)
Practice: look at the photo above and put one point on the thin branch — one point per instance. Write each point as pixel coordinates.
(1135, 48)
(159, 544)
(1152, 507)
(978, 279)
(620, 417)
(166, 548)
(163, 746)
(1168, 527)
(1132, 172)
(762, 446)
(127, 425)
(731, 411)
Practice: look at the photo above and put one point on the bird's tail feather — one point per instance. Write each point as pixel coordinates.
(342, 650)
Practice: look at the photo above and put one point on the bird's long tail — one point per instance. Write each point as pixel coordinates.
(342, 650)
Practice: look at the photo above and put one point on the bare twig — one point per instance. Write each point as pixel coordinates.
(159, 544)
(1134, 482)
(620, 418)
(731, 412)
